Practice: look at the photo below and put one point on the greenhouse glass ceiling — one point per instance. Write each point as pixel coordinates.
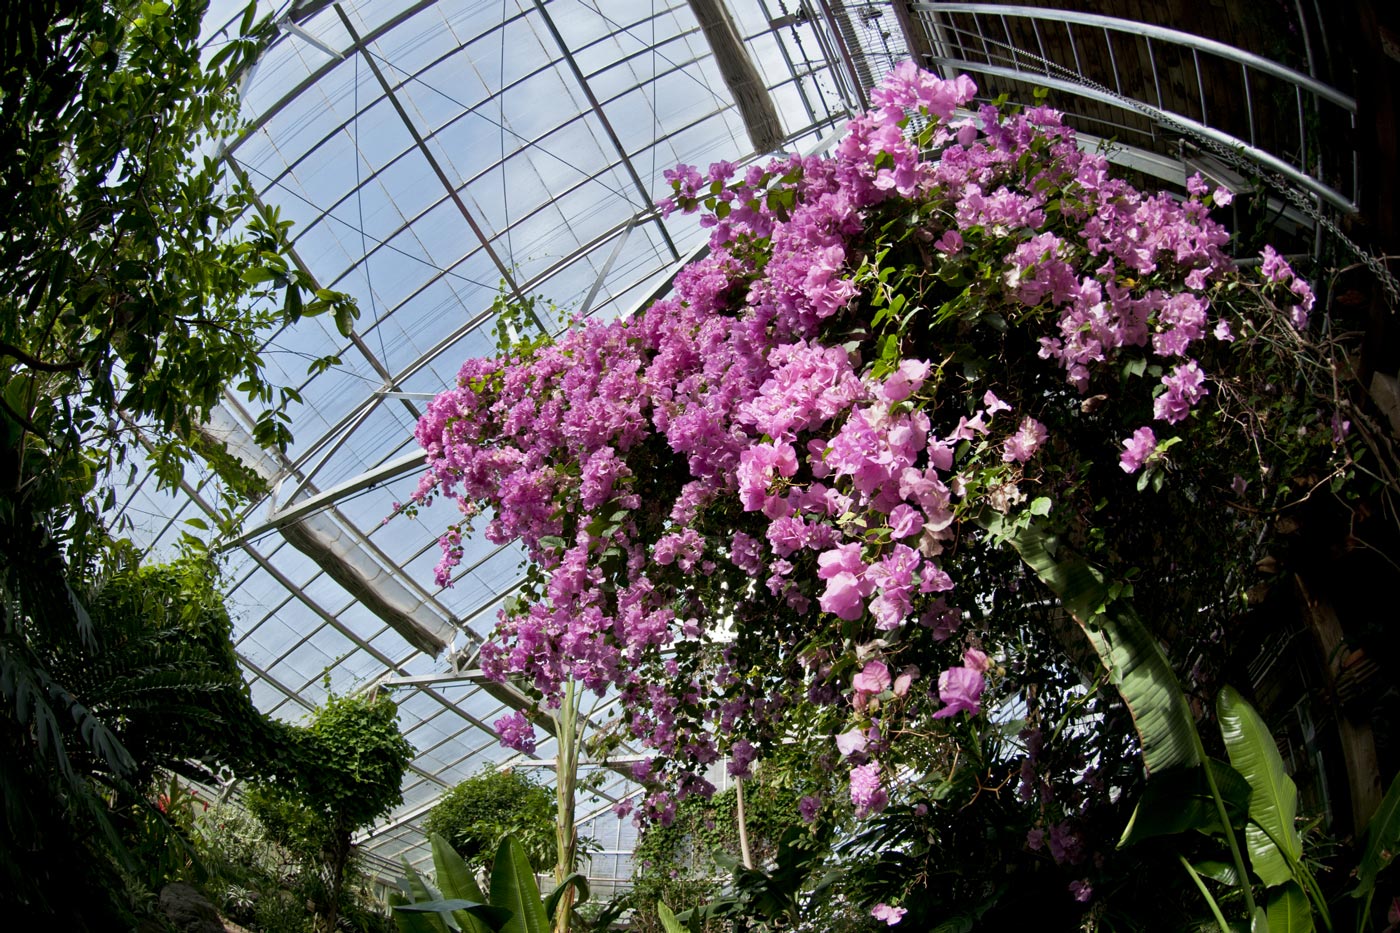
(434, 156)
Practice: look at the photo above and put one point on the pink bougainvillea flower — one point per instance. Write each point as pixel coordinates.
(975, 659)
(873, 678)
(905, 679)
(1137, 450)
(516, 732)
(850, 742)
(960, 689)
(888, 914)
(907, 379)
(1022, 445)
(867, 792)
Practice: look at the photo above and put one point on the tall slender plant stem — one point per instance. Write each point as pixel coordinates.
(1205, 892)
(565, 781)
(744, 851)
(1223, 815)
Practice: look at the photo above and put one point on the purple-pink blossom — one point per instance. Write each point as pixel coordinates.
(867, 791)
(1022, 445)
(1137, 450)
(702, 460)
(888, 914)
(960, 689)
(873, 678)
(516, 732)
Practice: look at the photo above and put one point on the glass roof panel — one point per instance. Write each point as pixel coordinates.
(552, 123)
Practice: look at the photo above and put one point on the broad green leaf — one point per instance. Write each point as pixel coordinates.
(1382, 836)
(1274, 803)
(1131, 655)
(576, 881)
(1288, 910)
(453, 876)
(485, 916)
(669, 923)
(412, 922)
(1179, 800)
(958, 924)
(419, 891)
(1221, 923)
(513, 887)
(456, 881)
(1217, 870)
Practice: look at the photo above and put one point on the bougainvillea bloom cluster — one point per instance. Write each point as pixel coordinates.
(756, 494)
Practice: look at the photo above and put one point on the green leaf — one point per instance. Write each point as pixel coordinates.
(1273, 841)
(453, 875)
(345, 314)
(1288, 910)
(513, 887)
(1382, 836)
(669, 923)
(256, 275)
(455, 879)
(412, 922)
(419, 891)
(1134, 660)
(489, 918)
(1179, 800)
(576, 881)
(1217, 870)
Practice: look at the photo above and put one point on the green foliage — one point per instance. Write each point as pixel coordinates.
(515, 903)
(153, 687)
(256, 881)
(124, 300)
(1274, 843)
(689, 862)
(1382, 841)
(349, 762)
(136, 282)
(1135, 662)
(483, 809)
(773, 899)
(353, 759)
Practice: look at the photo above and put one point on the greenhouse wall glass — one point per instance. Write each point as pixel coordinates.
(761, 464)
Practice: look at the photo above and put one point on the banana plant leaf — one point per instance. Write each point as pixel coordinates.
(513, 887)
(411, 922)
(669, 923)
(576, 881)
(1132, 657)
(1216, 870)
(458, 883)
(1179, 800)
(418, 891)
(1382, 837)
(1272, 839)
(1289, 911)
(491, 918)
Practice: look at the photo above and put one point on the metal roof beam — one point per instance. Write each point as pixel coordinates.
(506, 274)
(587, 89)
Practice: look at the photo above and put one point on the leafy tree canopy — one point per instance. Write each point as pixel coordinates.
(479, 812)
(136, 275)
